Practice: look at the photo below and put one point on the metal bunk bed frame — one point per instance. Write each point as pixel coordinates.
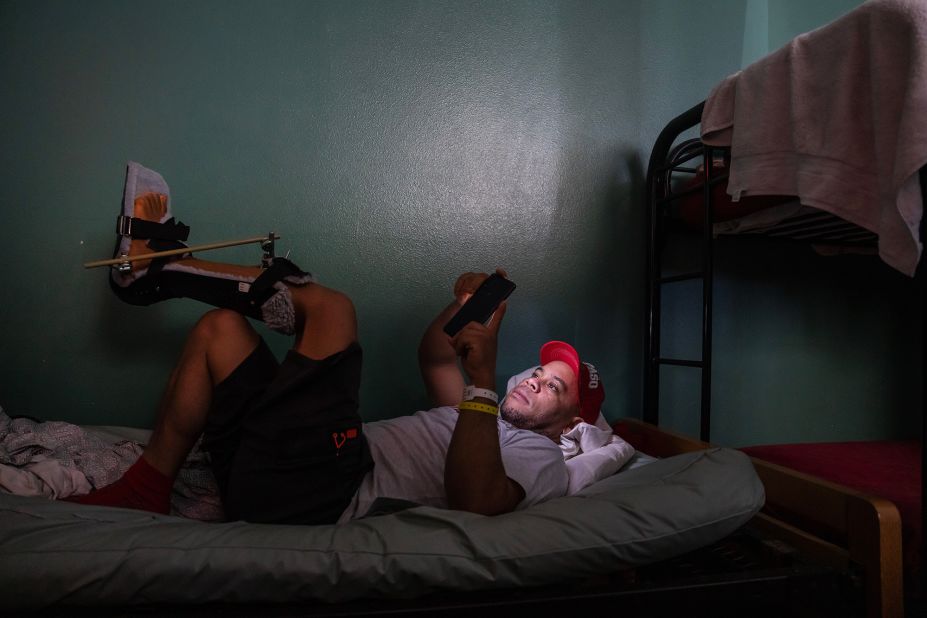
(664, 161)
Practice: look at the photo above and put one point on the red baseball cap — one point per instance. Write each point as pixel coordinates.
(591, 390)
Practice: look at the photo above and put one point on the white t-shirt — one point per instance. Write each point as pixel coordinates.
(409, 452)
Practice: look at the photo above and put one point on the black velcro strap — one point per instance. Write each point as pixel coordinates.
(159, 244)
(263, 286)
(139, 228)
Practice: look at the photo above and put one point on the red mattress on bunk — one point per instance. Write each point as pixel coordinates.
(887, 469)
(724, 208)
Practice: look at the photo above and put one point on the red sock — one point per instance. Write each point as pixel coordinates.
(141, 487)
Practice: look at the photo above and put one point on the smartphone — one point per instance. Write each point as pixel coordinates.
(483, 303)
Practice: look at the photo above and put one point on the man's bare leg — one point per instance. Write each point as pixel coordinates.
(219, 342)
(322, 320)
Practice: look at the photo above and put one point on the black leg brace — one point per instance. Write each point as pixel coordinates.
(248, 298)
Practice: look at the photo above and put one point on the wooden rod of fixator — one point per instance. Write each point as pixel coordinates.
(125, 259)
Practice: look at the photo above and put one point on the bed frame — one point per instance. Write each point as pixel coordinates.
(856, 523)
(859, 536)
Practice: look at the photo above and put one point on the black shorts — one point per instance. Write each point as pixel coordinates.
(286, 440)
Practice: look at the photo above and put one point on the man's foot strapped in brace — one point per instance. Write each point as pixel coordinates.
(146, 225)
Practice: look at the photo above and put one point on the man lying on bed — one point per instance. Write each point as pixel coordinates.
(286, 441)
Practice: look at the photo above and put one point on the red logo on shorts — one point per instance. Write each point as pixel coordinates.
(343, 436)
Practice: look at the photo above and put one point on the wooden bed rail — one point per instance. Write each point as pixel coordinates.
(866, 530)
(828, 523)
(654, 441)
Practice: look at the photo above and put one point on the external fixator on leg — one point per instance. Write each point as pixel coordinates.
(261, 293)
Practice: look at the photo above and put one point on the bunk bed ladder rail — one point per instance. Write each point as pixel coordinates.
(664, 160)
(921, 275)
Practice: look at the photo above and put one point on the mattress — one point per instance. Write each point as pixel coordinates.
(890, 469)
(61, 554)
(770, 215)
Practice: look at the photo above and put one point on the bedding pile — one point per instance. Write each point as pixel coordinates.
(56, 460)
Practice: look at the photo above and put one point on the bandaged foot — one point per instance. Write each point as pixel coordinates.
(146, 225)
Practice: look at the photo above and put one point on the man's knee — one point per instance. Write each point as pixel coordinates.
(325, 321)
(222, 323)
(224, 338)
(320, 302)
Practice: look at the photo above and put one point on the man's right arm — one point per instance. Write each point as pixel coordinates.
(437, 361)
(474, 475)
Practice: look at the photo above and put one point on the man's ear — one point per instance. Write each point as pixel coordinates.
(573, 422)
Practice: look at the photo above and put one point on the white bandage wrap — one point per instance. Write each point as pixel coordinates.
(139, 181)
(277, 311)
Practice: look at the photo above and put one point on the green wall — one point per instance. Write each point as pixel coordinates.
(394, 145)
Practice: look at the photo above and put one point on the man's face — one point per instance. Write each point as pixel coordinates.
(546, 402)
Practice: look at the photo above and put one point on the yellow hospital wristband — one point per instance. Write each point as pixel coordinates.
(478, 407)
